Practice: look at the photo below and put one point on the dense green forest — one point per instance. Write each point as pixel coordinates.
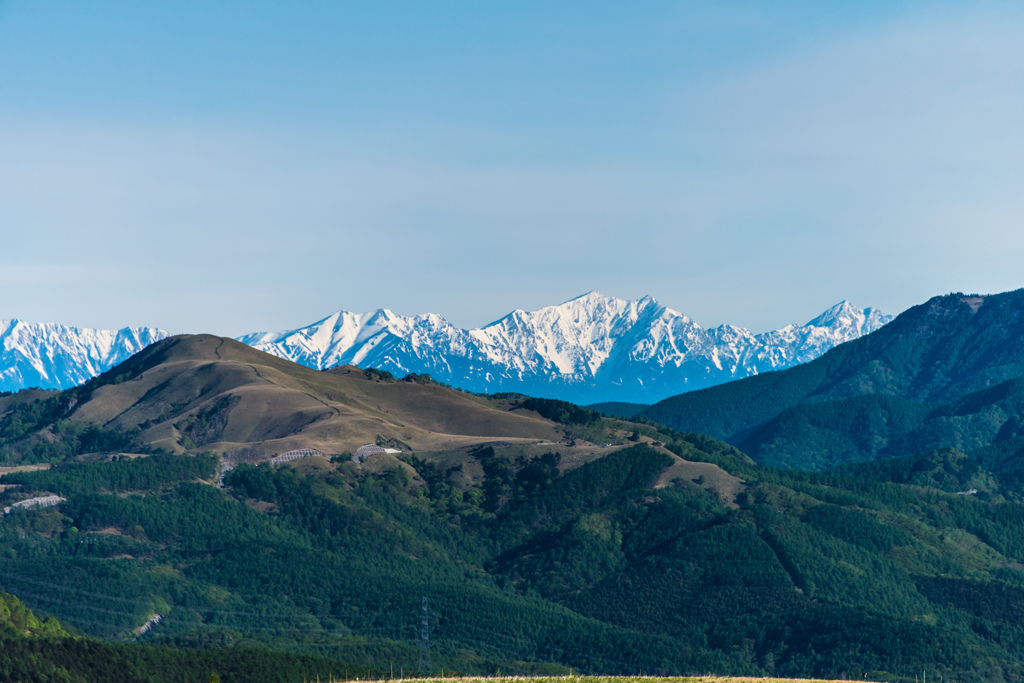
(987, 424)
(530, 564)
(41, 650)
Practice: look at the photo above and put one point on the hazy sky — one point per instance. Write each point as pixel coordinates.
(236, 166)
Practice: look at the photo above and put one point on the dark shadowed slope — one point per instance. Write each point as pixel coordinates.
(943, 374)
(941, 350)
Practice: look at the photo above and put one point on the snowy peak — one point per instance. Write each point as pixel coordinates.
(574, 337)
(345, 337)
(844, 316)
(588, 349)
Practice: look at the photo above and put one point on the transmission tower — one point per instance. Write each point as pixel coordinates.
(425, 667)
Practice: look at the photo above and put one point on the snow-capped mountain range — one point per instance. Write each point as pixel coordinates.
(590, 349)
(52, 356)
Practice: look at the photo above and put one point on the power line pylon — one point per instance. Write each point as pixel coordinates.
(425, 666)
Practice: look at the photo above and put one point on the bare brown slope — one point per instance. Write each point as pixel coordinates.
(211, 393)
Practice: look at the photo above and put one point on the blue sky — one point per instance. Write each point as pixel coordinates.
(237, 166)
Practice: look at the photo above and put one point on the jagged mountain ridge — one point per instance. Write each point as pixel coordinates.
(54, 356)
(592, 348)
(589, 349)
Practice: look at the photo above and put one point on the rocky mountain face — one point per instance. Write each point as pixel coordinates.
(52, 356)
(590, 349)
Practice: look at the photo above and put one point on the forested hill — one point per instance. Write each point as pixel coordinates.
(674, 555)
(900, 385)
(41, 650)
(610, 546)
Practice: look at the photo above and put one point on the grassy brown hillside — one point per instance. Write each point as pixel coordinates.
(205, 392)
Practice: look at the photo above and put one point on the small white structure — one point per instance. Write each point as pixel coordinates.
(40, 502)
(369, 449)
(295, 455)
